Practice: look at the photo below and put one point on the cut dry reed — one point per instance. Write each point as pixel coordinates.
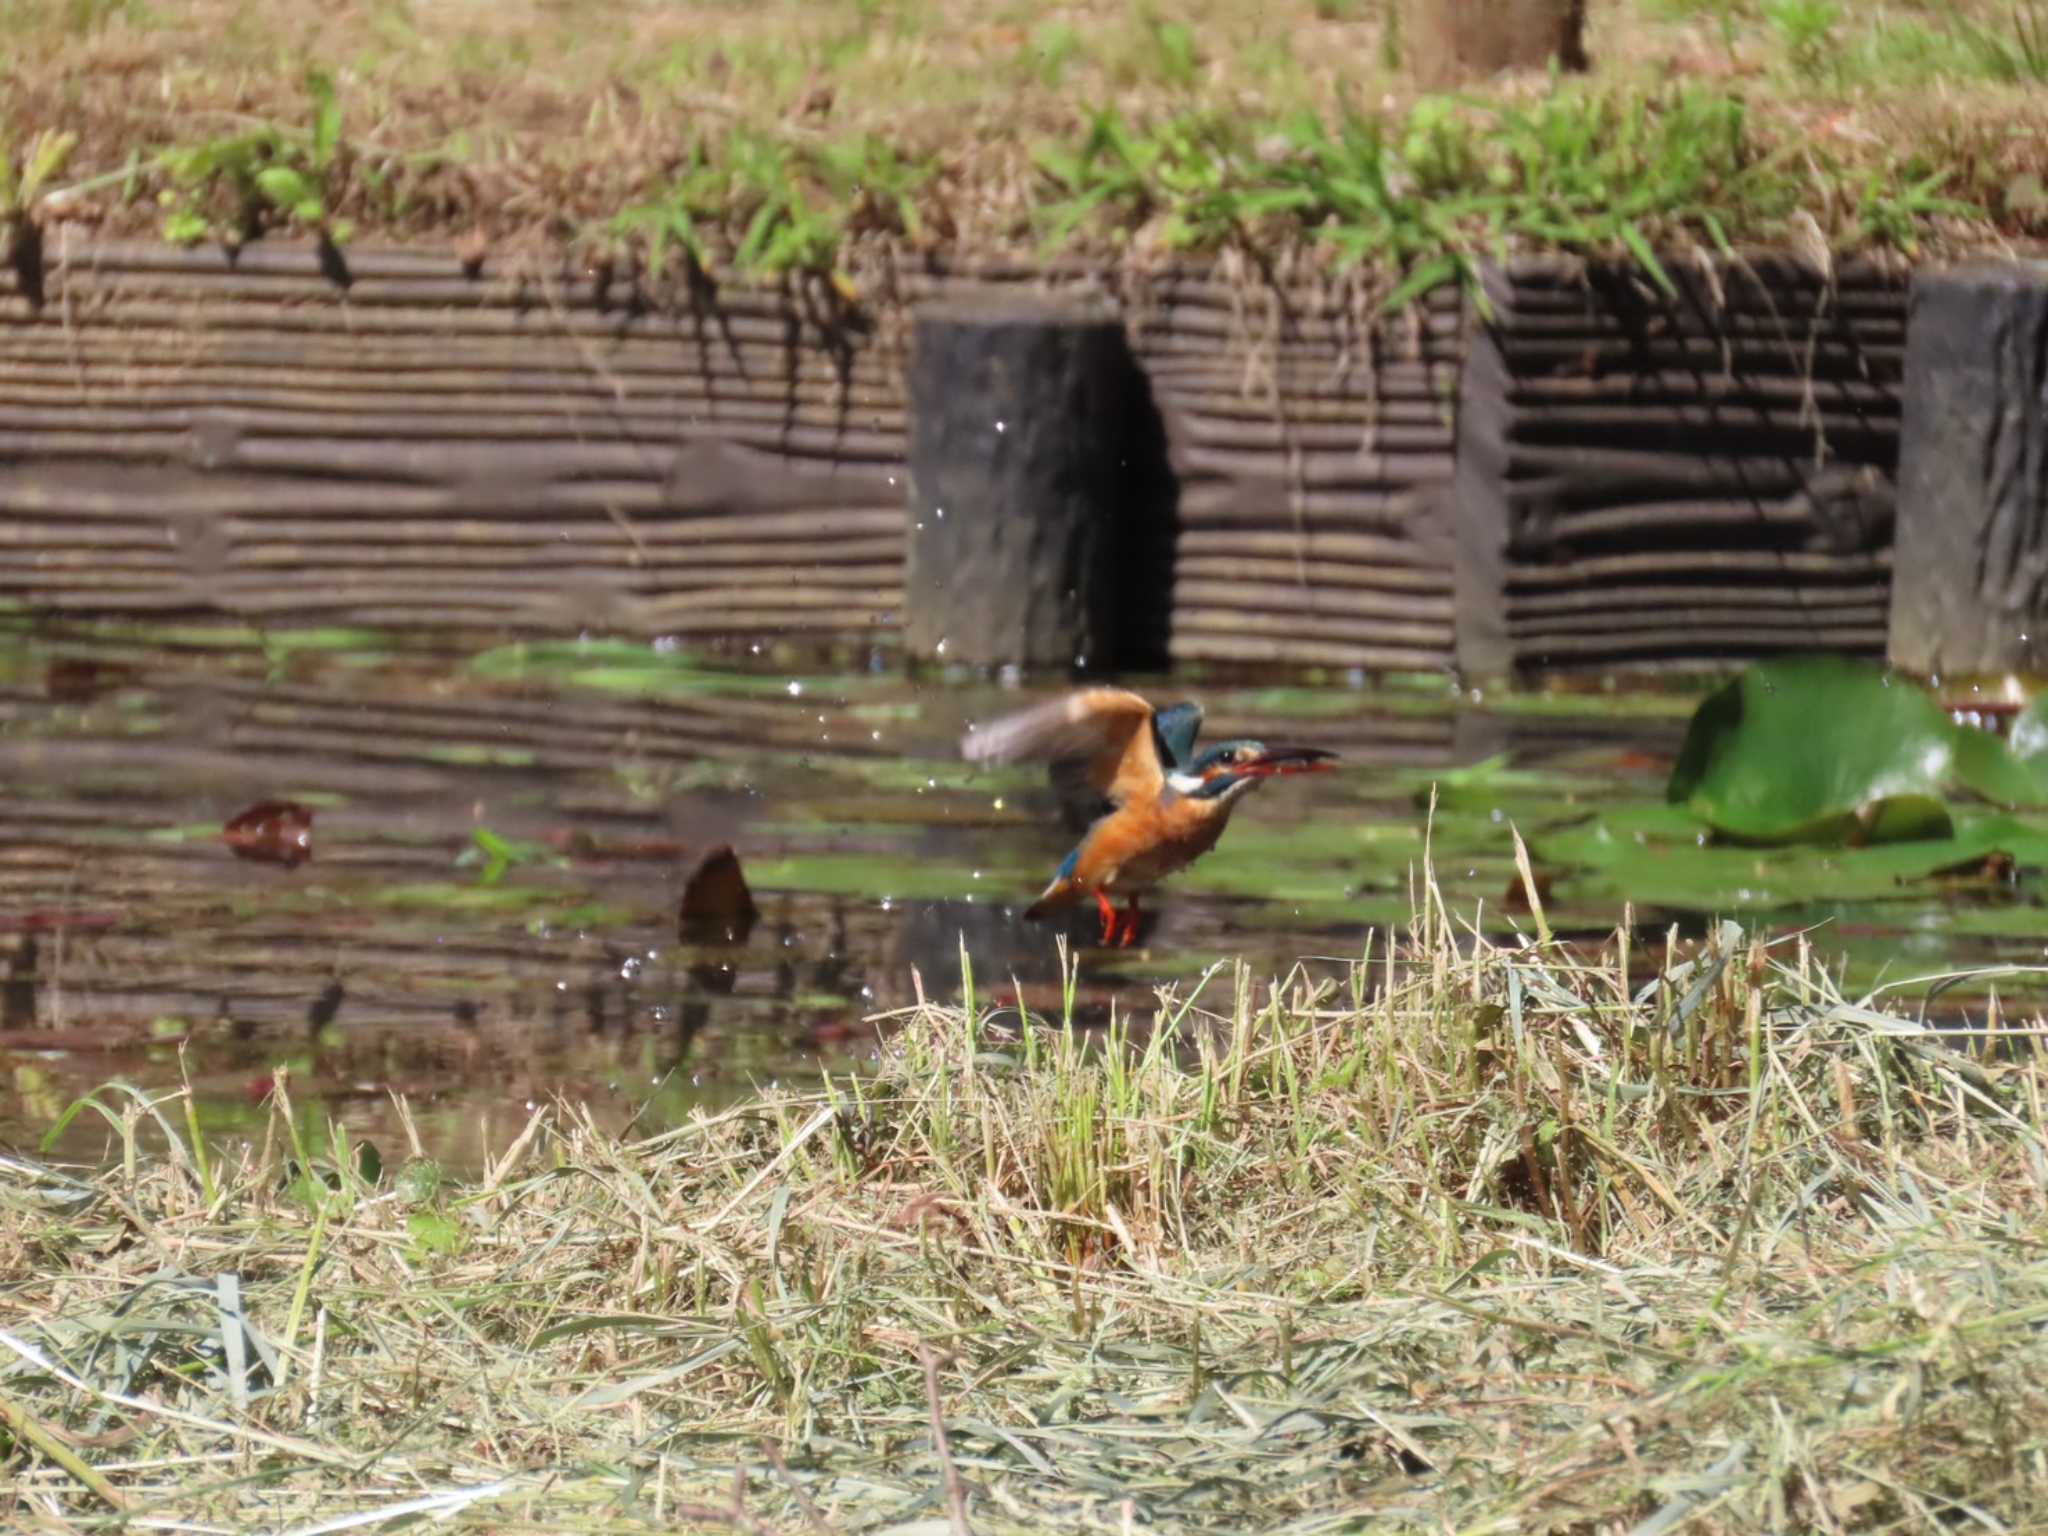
(1485, 1238)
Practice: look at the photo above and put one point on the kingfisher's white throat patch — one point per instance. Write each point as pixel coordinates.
(1184, 783)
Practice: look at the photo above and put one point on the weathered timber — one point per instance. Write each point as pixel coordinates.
(527, 449)
(1455, 41)
(1971, 592)
(1625, 455)
(1020, 481)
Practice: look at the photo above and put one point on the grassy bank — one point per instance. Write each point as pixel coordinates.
(807, 136)
(1478, 1241)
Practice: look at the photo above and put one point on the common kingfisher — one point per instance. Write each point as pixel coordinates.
(1152, 806)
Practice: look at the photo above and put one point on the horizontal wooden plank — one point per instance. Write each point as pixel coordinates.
(1689, 640)
(1753, 564)
(1756, 597)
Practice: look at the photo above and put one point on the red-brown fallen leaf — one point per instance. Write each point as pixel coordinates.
(1995, 868)
(275, 831)
(837, 1031)
(47, 920)
(80, 680)
(716, 902)
(580, 844)
(1516, 897)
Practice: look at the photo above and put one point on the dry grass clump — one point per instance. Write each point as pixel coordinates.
(1483, 1240)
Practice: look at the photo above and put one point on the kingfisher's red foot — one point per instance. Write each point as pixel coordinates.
(1109, 923)
(1119, 929)
(1129, 925)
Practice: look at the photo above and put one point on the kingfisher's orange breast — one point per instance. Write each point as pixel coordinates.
(1141, 844)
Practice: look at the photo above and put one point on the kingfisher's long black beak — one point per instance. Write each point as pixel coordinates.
(1278, 762)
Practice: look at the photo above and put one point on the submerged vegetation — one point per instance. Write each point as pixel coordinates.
(1478, 1237)
(804, 136)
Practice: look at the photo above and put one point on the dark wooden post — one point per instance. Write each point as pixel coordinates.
(1970, 579)
(1019, 414)
(1451, 41)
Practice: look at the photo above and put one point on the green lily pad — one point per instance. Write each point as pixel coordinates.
(1828, 750)
(1658, 856)
(2027, 739)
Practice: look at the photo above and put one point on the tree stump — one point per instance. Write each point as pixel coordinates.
(1970, 565)
(1019, 417)
(1452, 41)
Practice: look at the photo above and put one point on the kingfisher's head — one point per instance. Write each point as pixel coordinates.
(1229, 768)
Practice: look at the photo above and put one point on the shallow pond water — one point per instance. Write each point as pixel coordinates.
(501, 834)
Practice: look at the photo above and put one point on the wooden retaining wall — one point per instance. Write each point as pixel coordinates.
(1647, 479)
(1594, 474)
(528, 449)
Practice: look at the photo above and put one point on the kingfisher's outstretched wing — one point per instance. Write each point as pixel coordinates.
(1104, 744)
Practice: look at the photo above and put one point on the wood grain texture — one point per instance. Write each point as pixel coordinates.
(530, 448)
(1973, 483)
(1679, 479)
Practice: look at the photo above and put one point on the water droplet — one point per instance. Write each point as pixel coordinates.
(997, 803)
(666, 645)
(1002, 426)
(940, 648)
(939, 513)
(874, 735)
(796, 689)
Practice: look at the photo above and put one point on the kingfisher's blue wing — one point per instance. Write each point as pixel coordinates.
(1176, 728)
(1103, 745)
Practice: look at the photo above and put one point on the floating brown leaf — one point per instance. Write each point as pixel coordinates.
(80, 680)
(1516, 897)
(716, 902)
(1994, 868)
(275, 831)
